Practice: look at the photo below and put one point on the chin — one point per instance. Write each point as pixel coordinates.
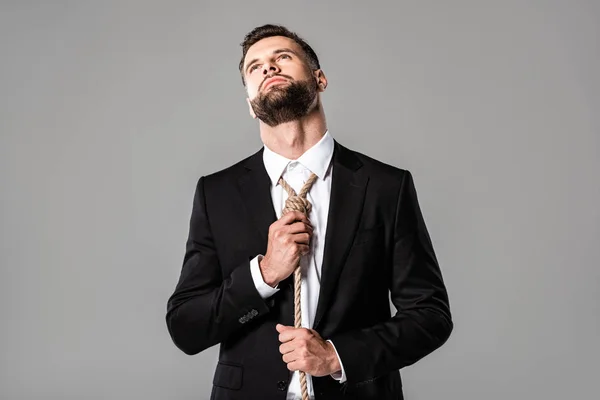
(275, 88)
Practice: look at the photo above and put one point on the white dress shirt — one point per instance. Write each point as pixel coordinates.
(316, 160)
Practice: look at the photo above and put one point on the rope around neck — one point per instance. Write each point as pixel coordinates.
(298, 202)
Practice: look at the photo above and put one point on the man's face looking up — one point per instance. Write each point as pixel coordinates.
(280, 84)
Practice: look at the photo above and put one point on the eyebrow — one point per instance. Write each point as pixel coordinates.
(278, 51)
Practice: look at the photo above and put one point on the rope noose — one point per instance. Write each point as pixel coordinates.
(298, 202)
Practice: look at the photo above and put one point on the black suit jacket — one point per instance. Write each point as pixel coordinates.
(376, 243)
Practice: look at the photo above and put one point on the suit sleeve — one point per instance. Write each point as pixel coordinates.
(206, 307)
(422, 322)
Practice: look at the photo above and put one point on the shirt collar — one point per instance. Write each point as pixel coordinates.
(316, 159)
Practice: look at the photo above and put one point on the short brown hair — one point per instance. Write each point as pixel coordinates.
(265, 31)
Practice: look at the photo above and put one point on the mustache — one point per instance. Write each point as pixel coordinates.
(273, 76)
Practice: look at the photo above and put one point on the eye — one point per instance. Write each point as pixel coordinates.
(285, 56)
(253, 68)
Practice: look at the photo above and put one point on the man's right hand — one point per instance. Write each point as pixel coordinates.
(289, 238)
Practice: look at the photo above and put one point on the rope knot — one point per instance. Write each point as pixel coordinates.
(297, 203)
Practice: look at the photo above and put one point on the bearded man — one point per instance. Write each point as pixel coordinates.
(294, 252)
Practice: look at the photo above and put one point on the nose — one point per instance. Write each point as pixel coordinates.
(270, 68)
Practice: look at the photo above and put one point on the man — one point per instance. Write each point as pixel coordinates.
(363, 238)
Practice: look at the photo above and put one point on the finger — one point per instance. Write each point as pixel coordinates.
(294, 216)
(303, 249)
(288, 218)
(300, 216)
(285, 220)
(289, 334)
(300, 227)
(301, 238)
(289, 357)
(294, 366)
(282, 328)
(301, 335)
(287, 347)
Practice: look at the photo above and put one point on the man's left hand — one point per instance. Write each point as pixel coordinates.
(304, 350)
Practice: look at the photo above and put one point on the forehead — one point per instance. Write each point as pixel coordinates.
(268, 45)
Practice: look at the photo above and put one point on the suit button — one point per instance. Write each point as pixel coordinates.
(281, 385)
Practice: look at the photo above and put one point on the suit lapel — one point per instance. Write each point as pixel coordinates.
(255, 189)
(345, 209)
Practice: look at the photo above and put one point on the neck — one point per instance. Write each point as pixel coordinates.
(292, 139)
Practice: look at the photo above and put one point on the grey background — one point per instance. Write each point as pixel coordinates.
(110, 111)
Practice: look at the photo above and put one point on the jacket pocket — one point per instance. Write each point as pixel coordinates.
(228, 375)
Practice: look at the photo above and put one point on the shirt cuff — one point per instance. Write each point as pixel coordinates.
(341, 377)
(263, 288)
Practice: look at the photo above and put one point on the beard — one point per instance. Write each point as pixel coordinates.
(285, 103)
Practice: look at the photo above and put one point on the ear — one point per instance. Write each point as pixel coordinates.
(321, 79)
(250, 109)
